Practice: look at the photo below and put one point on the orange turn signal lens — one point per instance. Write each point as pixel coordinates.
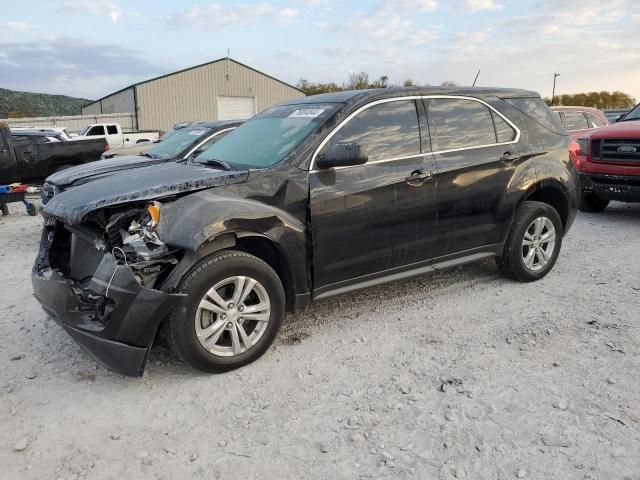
(153, 209)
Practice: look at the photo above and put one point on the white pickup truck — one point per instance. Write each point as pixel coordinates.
(115, 137)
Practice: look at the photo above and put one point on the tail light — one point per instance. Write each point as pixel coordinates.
(107, 147)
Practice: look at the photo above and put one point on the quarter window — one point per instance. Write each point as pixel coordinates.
(595, 122)
(387, 130)
(112, 130)
(461, 123)
(575, 121)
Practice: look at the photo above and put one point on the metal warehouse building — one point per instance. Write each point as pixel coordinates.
(220, 90)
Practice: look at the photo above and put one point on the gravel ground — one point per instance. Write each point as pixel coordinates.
(458, 374)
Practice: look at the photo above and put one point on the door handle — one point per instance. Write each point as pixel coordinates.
(508, 157)
(418, 177)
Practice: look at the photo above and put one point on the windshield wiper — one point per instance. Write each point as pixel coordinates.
(215, 162)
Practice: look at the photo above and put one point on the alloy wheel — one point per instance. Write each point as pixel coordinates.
(232, 316)
(538, 243)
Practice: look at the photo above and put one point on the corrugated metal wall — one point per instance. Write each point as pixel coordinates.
(121, 102)
(74, 123)
(92, 109)
(192, 95)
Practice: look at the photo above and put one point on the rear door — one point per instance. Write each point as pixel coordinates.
(369, 220)
(476, 151)
(114, 136)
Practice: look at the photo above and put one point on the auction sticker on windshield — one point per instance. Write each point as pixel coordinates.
(307, 113)
(197, 133)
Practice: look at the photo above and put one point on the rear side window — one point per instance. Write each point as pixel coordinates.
(461, 123)
(388, 130)
(575, 121)
(112, 130)
(536, 109)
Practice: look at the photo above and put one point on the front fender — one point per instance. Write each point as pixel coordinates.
(192, 222)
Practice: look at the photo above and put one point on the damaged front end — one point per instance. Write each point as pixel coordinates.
(100, 280)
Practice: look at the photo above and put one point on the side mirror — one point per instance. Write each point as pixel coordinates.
(342, 155)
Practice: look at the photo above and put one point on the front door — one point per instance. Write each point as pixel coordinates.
(374, 219)
(474, 149)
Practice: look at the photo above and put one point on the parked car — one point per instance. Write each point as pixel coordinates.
(30, 156)
(115, 136)
(179, 143)
(616, 115)
(609, 163)
(580, 120)
(60, 133)
(312, 198)
(187, 145)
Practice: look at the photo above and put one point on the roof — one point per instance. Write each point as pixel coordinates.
(216, 124)
(567, 108)
(348, 96)
(193, 68)
(41, 132)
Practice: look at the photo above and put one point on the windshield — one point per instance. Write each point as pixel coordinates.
(179, 140)
(633, 114)
(268, 138)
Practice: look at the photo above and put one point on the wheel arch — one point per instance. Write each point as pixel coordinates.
(553, 194)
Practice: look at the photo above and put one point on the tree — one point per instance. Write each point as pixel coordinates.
(408, 83)
(358, 81)
(316, 88)
(448, 83)
(602, 100)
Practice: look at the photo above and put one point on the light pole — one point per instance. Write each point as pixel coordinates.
(553, 95)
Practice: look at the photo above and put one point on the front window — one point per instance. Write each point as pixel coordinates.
(388, 130)
(178, 141)
(633, 114)
(269, 137)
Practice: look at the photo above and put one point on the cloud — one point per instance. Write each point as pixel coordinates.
(214, 16)
(288, 13)
(412, 5)
(71, 66)
(478, 5)
(98, 8)
(18, 25)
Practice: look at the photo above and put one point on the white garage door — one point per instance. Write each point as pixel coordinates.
(236, 108)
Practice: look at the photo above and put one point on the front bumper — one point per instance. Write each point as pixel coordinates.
(623, 188)
(110, 315)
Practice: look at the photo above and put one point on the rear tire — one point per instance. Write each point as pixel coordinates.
(212, 333)
(533, 244)
(4, 208)
(592, 204)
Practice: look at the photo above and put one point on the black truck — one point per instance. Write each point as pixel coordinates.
(30, 157)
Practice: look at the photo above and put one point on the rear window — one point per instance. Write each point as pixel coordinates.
(575, 121)
(536, 109)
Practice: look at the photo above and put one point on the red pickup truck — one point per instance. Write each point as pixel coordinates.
(608, 160)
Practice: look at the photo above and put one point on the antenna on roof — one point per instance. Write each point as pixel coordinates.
(476, 79)
(228, 52)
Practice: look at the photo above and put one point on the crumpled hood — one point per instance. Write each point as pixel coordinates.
(88, 171)
(141, 184)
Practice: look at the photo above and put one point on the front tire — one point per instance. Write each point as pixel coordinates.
(592, 204)
(533, 244)
(232, 314)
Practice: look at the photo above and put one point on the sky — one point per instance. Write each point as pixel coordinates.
(90, 48)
